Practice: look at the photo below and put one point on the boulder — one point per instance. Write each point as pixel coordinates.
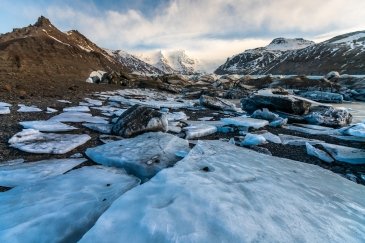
(140, 119)
(285, 103)
(329, 116)
(96, 77)
(332, 76)
(325, 97)
(217, 103)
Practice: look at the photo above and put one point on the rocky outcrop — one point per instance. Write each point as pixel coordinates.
(285, 103)
(217, 103)
(139, 119)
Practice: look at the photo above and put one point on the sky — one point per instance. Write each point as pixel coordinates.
(210, 30)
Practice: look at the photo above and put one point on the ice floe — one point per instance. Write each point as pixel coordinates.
(23, 173)
(245, 122)
(47, 126)
(78, 117)
(77, 109)
(313, 151)
(222, 193)
(61, 208)
(99, 127)
(200, 130)
(345, 154)
(34, 141)
(24, 108)
(142, 156)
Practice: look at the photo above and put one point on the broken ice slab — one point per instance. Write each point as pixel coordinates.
(176, 116)
(24, 108)
(223, 193)
(33, 141)
(200, 130)
(311, 129)
(4, 104)
(271, 137)
(245, 122)
(64, 101)
(253, 140)
(297, 141)
(356, 130)
(320, 154)
(51, 110)
(78, 117)
(4, 110)
(62, 208)
(350, 138)
(345, 154)
(94, 102)
(77, 109)
(99, 127)
(47, 126)
(24, 173)
(142, 156)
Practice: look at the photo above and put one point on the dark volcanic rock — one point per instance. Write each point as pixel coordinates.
(139, 119)
(217, 103)
(286, 103)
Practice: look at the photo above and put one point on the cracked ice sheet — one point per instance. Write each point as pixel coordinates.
(78, 117)
(61, 208)
(24, 173)
(142, 156)
(47, 126)
(33, 141)
(237, 200)
(245, 122)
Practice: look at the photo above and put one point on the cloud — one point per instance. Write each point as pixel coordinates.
(210, 29)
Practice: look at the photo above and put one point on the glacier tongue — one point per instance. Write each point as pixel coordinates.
(61, 208)
(223, 193)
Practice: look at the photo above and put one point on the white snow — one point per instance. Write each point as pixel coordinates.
(245, 122)
(78, 117)
(61, 208)
(350, 39)
(33, 141)
(318, 153)
(24, 173)
(223, 193)
(47, 126)
(142, 156)
(345, 154)
(200, 130)
(253, 139)
(4, 110)
(77, 109)
(99, 127)
(24, 108)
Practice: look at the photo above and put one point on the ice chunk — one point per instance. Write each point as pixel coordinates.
(265, 114)
(47, 126)
(297, 141)
(197, 131)
(279, 122)
(33, 141)
(61, 208)
(357, 130)
(271, 137)
(318, 153)
(94, 102)
(77, 109)
(64, 101)
(78, 117)
(311, 131)
(206, 118)
(23, 173)
(245, 122)
(253, 139)
(4, 110)
(99, 127)
(223, 193)
(51, 110)
(350, 138)
(24, 108)
(143, 155)
(176, 116)
(3, 104)
(345, 154)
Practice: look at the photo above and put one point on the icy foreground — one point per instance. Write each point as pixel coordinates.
(142, 156)
(222, 193)
(62, 208)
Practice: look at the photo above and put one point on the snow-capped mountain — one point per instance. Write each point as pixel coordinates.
(253, 60)
(176, 61)
(343, 53)
(133, 63)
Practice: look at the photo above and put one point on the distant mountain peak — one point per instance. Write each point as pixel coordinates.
(43, 22)
(284, 44)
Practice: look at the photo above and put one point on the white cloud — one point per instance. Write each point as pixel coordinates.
(213, 29)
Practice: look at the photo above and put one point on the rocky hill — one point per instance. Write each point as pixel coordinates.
(41, 51)
(172, 62)
(344, 53)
